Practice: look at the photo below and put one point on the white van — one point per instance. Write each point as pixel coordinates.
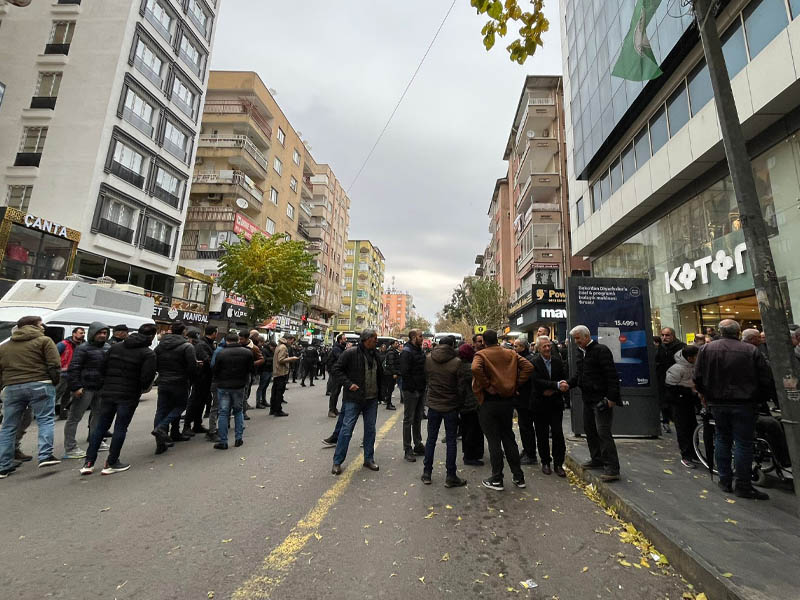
(437, 338)
(66, 305)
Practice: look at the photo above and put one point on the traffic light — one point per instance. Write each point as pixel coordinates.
(304, 318)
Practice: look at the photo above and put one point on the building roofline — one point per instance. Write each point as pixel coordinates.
(530, 82)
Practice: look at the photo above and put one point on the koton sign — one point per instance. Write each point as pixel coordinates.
(721, 264)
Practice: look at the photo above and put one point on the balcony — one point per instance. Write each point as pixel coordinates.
(57, 49)
(227, 182)
(47, 102)
(238, 149)
(115, 230)
(305, 212)
(145, 70)
(235, 112)
(138, 122)
(210, 214)
(69, 2)
(539, 188)
(195, 254)
(127, 174)
(27, 159)
(168, 197)
(156, 246)
(158, 25)
(479, 259)
(307, 188)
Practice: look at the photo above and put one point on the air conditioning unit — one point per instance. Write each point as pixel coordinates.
(215, 197)
(531, 134)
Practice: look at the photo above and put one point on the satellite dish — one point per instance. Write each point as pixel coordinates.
(242, 203)
(531, 134)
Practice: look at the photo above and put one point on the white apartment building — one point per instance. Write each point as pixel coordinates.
(98, 126)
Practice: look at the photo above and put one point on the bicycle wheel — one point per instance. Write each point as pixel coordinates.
(699, 446)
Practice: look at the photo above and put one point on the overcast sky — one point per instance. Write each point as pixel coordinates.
(340, 67)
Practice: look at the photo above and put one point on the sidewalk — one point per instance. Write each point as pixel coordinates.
(730, 548)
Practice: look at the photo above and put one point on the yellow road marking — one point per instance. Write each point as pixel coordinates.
(277, 564)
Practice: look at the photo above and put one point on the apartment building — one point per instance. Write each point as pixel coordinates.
(362, 298)
(398, 308)
(98, 126)
(650, 192)
(497, 261)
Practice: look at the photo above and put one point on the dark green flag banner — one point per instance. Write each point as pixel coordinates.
(636, 60)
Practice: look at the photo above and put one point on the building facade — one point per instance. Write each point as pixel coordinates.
(362, 298)
(98, 127)
(650, 191)
(397, 310)
(497, 261)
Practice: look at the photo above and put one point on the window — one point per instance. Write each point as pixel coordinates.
(270, 226)
(158, 237)
(128, 164)
(160, 18)
(580, 211)
(293, 184)
(19, 197)
(296, 154)
(546, 235)
(605, 191)
(733, 48)
(628, 163)
(273, 195)
(60, 37)
(148, 63)
(658, 130)
(290, 211)
(616, 176)
(31, 146)
(168, 187)
(191, 55)
(183, 96)
(795, 6)
(678, 109)
(763, 20)
(198, 14)
(278, 166)
(2, 92)
(34, 254)
(46, 91)
(176, 141)
(281, 137)
(700, 90)
(641, 144)
(596, 196)
(117, 220)
(138, 112)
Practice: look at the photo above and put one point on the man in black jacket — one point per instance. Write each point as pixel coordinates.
(201, 386)
(130, 368)
(598, 380)
(361, 373)
(177, 366)
(548, 405)
(412, 370)
(310, 362)
(522, 404)
(233, 368)
(665, 358)
(85, 374)
(734, 379)
(335, 386)
(265, 374)
(391, 371)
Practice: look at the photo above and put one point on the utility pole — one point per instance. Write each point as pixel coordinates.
(770, 301)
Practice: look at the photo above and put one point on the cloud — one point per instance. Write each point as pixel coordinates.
(339, 69)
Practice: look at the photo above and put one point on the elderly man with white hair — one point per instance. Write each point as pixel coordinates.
(547, 405)
(598, 380)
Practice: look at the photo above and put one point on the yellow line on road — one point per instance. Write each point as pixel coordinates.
(277, 564)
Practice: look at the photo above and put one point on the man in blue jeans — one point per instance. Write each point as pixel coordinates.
(360, 372)
(444, 402)
(29, 364)
(233, 367)
(733, 378)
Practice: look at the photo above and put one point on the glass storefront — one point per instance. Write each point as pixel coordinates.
(695, 257)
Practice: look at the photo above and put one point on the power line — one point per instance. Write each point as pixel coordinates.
(402, 97)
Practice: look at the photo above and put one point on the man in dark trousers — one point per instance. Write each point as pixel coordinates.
(547, 405)
(391, 371)
(130, 369)
(201, 386)
(177, 367)
(310, 361)
(66, 349)
(598, 380)
(522, 404)
(412, 369)
(361, 373)
(734, 378)
(334, 386)
(265, 374)
(234, 366)
(665, 358)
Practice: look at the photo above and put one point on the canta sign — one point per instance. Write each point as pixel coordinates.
(51, 227)
(721, 264)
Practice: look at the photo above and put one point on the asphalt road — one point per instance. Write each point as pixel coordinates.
(268, 520)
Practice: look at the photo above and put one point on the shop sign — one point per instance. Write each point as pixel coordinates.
(51, 227)
(549, 295)
(242, 224)
(171, 314)
(557, 314)
(234, 311)
(720, 263)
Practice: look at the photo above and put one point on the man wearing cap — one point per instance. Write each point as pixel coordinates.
(120, 332)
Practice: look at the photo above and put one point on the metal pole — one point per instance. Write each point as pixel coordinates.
(770, 301)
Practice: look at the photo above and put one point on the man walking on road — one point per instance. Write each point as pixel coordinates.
(598, 380)
(233, 368)
(281, 365)
(733, 378)
(522, 404)
(29, 365)
(177, 367)
(310, 365)
(85, 375)
(201, 387)
(334, 386)
(547, 405)
(361, 373)
(412, 369)
(265, 374)
(391, 371)
(665, 358)
(66, 350)
(497, 374)
(444, 402)
(130, 369)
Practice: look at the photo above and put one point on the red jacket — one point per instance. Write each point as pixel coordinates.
(66, 348)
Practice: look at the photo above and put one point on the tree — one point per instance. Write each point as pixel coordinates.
(271, 273)
(418, 322)
(478, 302)
(453, 326)
(534, 25)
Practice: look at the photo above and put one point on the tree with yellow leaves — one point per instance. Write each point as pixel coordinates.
(533, 25)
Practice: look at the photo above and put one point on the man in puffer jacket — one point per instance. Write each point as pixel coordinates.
(444, 402)
(129, 372)
(471, 433)
(85, 374)
(683, 398)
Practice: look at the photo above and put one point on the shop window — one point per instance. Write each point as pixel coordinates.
(32, 254)
(628, 163)
(700, 90)
(763, 20)
(641, 145)
(19, 197)
(189, 294)
(658, 130)
(678, 109)
(733, 47)
(89, 265)
(158, 285)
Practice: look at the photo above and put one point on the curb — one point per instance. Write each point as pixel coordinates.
(687, 562)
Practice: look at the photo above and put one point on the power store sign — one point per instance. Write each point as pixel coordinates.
(719, 265)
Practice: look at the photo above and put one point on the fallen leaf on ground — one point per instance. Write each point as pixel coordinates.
(701, 596)
(366, 542)
(445, 557)
(392, 575)
(431, 515)
(624, 562)
(584, 569)
(731, 521)
(448, 507)
(318, 536)
(228, 541)
(727, 575)
(667, 471)
(421, 579)
(106, 509)
(210, 594)
(121, 585)
(529, 584)
(546, 577)
(730, 501)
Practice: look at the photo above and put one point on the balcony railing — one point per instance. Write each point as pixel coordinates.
(56, 49)
(115, 230)
(240, 107)
(210, 214)
(541, 102)
(159, 26)
(235, 141)
(234, 178)
(28, 159)
(138, 122)
(68, 2)
(167, 197)
(127, 174)
(43, 102)
(145, 70)
(175, 150)
(156, 246)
